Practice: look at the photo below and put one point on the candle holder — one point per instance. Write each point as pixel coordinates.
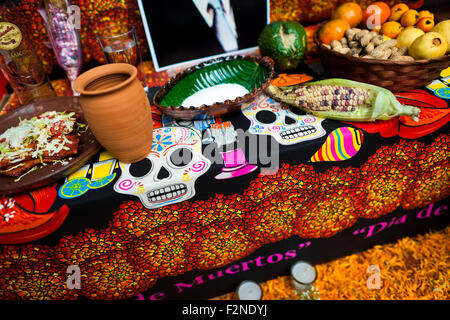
(303, 275)
(248, 290)
(63, 36)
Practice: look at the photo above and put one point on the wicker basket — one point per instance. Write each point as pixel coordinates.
(395, 76)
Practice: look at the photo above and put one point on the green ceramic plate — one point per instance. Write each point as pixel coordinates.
(251, 74)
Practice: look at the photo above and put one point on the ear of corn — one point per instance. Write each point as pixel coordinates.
(343, 99)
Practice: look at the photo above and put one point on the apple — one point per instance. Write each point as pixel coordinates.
(407, 36)
(443, 28)
(427, 46)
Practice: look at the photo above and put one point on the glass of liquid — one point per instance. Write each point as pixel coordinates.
(119, 45)
(21, 65)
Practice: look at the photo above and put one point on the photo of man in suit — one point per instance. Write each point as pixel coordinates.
(184, 30)
(222, 20)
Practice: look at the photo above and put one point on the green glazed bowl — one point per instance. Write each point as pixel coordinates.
(253, 73)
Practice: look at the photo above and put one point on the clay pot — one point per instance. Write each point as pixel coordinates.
(117, 110)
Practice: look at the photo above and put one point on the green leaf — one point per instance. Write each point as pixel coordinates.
(249, 74)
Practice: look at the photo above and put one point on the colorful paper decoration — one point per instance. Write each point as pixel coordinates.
(269, 117)
(284, 80)
(342, 144)
(168, 174)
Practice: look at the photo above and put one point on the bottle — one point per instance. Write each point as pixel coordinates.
(21, 65)
(62, 30)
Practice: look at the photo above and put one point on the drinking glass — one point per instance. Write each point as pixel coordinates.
(120, 45)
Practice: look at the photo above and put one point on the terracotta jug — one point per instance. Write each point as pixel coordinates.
(117, 110)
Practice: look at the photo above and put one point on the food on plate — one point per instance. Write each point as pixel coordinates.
(409, 18)
(427, 46)
(343, 99)
(397, 11)
(285, 42)
(333, 30)
(407, 36)
(350, 12)
(46, 138)
(443, 28)
(375, 14)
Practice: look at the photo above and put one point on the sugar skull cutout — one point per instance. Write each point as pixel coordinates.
(201, 123)
(268, 116)
(168, 174)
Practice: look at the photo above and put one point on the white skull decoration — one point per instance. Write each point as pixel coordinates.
(267, 116)
(168, 174)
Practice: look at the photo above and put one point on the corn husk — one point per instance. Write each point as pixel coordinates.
(383, 104)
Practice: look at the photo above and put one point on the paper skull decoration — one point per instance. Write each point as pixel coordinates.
(202, 122)
(269, 117)
(168, 174)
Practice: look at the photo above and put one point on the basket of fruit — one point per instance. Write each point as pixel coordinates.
(396, 48)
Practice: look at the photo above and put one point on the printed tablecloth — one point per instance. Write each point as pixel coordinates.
(220, 200)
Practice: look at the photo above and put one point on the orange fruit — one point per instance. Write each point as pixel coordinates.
(426, 14)
(409, 18)
(350, 12)
(333, 30)
(375, 15)
(426, 24)
(391, 29)
(397, 11)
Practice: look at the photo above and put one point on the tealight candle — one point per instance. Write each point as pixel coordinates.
(303, 275)
(248, 290)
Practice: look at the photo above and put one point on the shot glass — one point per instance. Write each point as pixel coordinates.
(119, 44)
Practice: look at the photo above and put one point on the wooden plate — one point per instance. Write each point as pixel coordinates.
(87, 147)
(253, 73)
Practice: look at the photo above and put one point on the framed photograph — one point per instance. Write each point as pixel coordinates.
(186, 32)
